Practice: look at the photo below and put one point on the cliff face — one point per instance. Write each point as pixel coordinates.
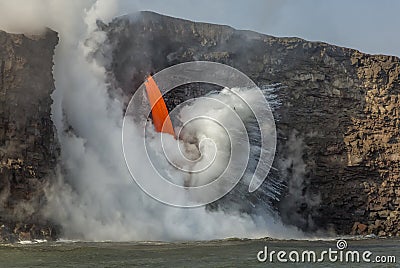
(338, 122)
(338, 119)
(28, 150)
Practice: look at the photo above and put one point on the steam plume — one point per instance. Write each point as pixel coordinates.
(95, 198)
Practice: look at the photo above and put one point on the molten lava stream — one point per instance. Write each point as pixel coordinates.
(161, 120)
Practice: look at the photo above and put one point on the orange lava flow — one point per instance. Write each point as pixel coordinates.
(161, 120)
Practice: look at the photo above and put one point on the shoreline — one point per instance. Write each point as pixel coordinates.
(193, 242)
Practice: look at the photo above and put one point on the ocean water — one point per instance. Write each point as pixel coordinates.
(221, 253)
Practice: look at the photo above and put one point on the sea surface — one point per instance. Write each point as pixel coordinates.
(218, 253)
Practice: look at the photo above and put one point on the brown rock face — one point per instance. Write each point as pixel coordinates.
(338, 121)
(28, 150)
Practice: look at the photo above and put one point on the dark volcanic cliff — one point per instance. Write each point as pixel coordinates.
(27, 147)
(338, 119)
(338, 122)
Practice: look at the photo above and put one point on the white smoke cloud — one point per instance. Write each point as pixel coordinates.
(95, 198)
(293, 168)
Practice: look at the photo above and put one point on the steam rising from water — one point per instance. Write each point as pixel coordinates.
(95, 198)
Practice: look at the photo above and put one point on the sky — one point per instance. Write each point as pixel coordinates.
(367, 25)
